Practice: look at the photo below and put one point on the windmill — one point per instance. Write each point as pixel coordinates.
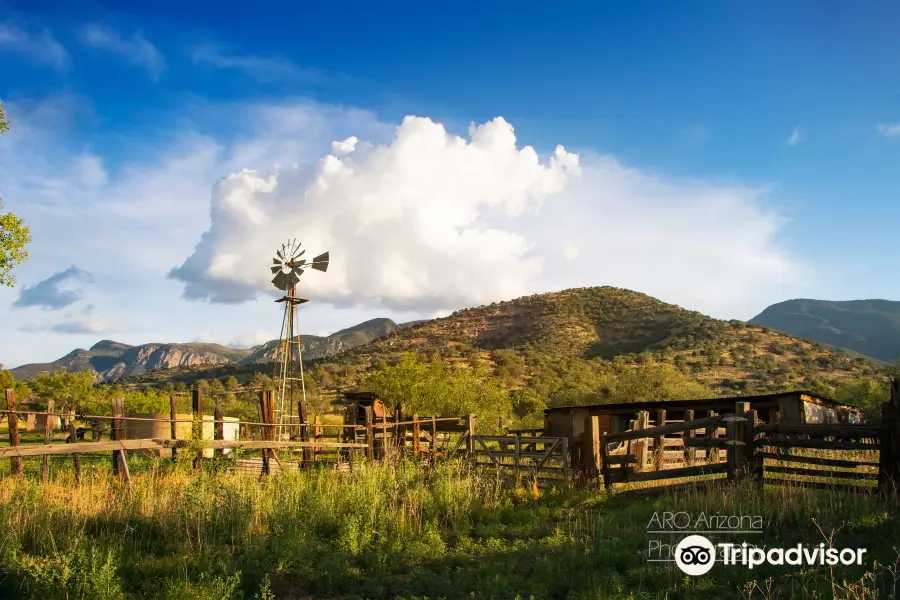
(287, 267)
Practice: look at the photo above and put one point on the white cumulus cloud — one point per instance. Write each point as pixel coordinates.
(432, 221)
(415, 224)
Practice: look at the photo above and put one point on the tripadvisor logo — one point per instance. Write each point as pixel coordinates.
(695, 555)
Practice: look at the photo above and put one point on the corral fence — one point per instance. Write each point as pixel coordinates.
(852, 457)
(201, 436)
(267, 447)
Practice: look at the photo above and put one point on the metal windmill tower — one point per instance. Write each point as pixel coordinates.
(288, 266)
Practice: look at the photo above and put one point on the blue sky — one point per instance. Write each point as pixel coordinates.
(720, 156)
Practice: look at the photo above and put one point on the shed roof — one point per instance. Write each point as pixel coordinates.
(657, 404)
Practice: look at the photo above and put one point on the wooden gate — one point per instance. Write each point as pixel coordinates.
(649, 453)
(544, 460)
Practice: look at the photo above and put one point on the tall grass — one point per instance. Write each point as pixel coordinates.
(398, 532)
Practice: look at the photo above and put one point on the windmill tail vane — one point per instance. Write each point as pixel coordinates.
(287, 267)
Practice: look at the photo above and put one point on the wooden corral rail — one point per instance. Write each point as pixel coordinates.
(318, 442)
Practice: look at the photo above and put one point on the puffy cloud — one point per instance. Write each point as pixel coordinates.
(51, 293)
(248, 339)
(75, 324)
(135, 49)
(889, 129)
(414, 224)
(431, 221)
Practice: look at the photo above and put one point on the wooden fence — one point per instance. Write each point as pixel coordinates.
(316, 443)
(861, 458)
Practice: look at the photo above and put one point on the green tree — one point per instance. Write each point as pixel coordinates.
(14, 234)
(7, 380)
(261, 381)
(867, 394)
(69, 390)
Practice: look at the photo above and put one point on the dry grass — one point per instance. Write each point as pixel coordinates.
(403, 532)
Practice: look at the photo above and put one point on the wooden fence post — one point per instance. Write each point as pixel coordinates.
(736, 447)
(751, 451)
(889, 455)
(197, 425)
(76, 458)
(48, 439)
(590, 439)
(219, 427)
(712, 432)
(659, 443)
(690, 453)
(264, 419)
(370, 434)
(317, 433)
(12, 419)
(470, 433)
(639, 446)
(383, 449)
(434, 437)
(173, 431)
(416, 433)
(120, 458)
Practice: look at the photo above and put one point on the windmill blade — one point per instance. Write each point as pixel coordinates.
(276, 269)
(281, 281)
(298, 254)
(320, 263)
(275, 261)
(294, 277)
(280, 253)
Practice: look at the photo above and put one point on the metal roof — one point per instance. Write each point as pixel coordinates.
(662, 404)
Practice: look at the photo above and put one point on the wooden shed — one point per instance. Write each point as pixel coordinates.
(784, 407)
(357, 402)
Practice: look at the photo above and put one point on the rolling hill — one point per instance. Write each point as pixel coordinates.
(551, 341)
(870, 327)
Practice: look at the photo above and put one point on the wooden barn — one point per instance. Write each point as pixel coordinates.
(785, 407)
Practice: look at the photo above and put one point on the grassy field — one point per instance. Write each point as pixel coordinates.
(404, 532)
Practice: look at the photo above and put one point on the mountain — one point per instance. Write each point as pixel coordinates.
(870, 327)
(551, 341)
(113, 360)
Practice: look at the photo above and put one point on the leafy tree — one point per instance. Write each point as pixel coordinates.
(261, 381)
(434, 388)
(525, 402)
(231, 383)
(69, 390)
(7, 380)
(14, 234)
(867, 394)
